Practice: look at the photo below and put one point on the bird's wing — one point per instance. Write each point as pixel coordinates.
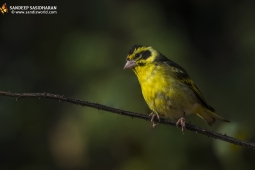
(183, 76)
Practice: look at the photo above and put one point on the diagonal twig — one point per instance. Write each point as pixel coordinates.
(190, 127)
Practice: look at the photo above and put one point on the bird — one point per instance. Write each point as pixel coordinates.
(167, 88)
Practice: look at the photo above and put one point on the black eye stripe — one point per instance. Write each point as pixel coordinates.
(146, 54)
(143, 55)
(137, 55)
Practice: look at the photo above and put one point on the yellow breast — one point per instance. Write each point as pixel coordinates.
(164, 94)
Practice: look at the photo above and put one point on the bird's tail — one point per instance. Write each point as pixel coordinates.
(210, 116)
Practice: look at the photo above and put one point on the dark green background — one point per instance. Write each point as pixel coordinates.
(80, 53)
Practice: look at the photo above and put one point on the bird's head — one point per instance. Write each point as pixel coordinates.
(140, 55)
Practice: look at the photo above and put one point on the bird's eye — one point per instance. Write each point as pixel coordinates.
(137, 55)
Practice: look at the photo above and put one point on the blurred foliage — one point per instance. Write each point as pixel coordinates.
(80, 53)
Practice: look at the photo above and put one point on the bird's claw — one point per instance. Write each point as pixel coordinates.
(181, 122)
(152, 119)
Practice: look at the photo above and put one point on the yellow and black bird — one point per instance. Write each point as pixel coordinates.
(167, 88)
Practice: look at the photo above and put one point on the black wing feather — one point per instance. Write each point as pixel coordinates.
(181, 74)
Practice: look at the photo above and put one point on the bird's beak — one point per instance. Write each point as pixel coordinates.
(129, 64)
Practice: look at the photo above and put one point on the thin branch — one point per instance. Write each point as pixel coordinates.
(190, 127)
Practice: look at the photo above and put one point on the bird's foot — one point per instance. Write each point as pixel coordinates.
(152, 119)
(181, 122)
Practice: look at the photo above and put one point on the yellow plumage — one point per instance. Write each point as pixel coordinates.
(166, 86)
